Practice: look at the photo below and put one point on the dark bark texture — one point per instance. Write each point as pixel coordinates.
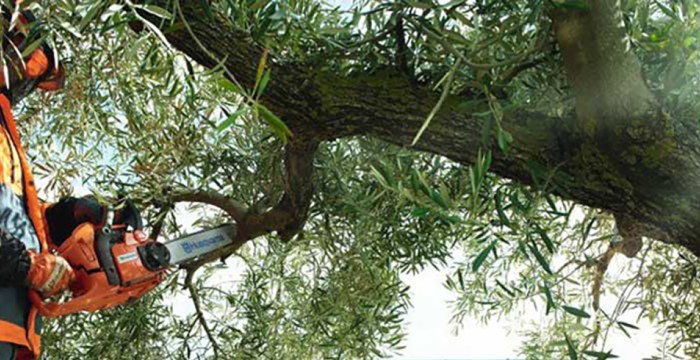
(617, 151)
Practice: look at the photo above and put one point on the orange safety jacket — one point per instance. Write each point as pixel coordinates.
(20, 323)
(14, 329)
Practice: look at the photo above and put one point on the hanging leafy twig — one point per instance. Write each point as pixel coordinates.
(194, 294)
(445, 92)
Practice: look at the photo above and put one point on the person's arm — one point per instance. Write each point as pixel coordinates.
(44, 272)
(14, 260)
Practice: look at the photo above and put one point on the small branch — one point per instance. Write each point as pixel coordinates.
(158, 226)
(200, 315)
(601, 268)
(289, 215)
(517, 69)
(402, 50)
(286, 218)
(230, 206)
(482, 66)
(445, 92)
(630, 245)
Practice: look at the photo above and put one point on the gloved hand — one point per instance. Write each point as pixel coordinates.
(49, 274)
(64, 216)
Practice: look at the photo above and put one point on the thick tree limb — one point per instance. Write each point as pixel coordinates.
(633, 160)
(230, 206)
(605, 74)
(286, 218)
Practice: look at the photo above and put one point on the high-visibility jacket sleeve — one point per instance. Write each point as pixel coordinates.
(14, 260)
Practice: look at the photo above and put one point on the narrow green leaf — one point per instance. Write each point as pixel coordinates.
(540, 258)
(545, 238)
(576, 311)
(90, 15)
(482, 257)
(385, 172)
(573, 355)
(487, 129)
(258, 5)
(439, 200)
(601, 355)
(624, 331)
(275, 122)
(419, 212)
(230, 86)
(261, 70)
(383, 175)
(499, 209)
(668, 11)
(34, 45)
(550, 299)
(463, 19)
(504, 138)
(628, 325)
(420, 4)
(505, 288)
(204, 4)
(587, 230)
(263, 83)
(156, 10)
(231, 119)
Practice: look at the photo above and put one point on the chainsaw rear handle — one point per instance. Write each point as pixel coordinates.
(53, 309)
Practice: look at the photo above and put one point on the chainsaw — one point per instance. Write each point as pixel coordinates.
(114, 265)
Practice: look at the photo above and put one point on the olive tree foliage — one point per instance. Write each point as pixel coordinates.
(524, 144)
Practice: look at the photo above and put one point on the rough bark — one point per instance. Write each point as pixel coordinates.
(618, 151)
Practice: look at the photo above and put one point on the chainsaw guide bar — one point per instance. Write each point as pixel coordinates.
(192, 246)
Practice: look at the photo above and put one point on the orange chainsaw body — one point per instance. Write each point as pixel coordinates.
(109, 270)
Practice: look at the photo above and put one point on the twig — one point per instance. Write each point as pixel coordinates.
(445, 92)
(481, 66)
(517, 69)
(158, 227)
(211, 55)
(601, 268)
(200, 315)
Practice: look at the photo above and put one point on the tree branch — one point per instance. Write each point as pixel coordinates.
(605, 74)
(200, 314)
(158, 226)
(647, 168)
(230, 206)
(286, 218)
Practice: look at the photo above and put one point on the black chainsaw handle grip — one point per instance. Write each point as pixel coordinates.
(103, 249)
